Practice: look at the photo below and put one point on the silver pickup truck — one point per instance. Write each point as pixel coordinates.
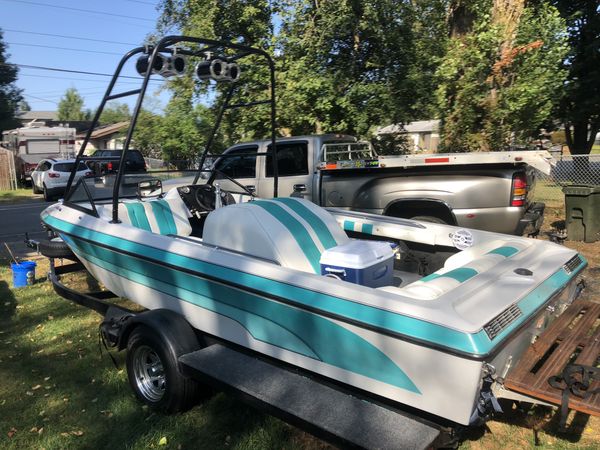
(487, 191)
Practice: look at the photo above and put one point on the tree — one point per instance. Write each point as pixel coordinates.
(579, 106)
(501, 76)
(70, 106)
(10, 95)
(349, 65)
(115, 112)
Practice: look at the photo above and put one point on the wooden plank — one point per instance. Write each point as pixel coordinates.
(564, 342)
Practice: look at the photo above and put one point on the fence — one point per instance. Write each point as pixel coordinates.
(8, 178)
(580, 169)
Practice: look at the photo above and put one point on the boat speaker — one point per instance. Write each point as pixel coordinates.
(233, 72)
(174, 65)
(143, 63)
(213, 68)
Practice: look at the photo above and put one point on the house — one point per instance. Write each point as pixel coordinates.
(105, 137)
(423, 135)
(50, 119)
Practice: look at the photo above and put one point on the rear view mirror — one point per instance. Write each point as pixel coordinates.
(149, 188)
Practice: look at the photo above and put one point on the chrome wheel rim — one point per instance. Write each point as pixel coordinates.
(149, 373)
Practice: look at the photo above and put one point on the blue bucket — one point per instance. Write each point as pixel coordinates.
(23, 273)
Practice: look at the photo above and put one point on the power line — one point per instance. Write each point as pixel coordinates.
(79, 38)
(56, 69)
(40, 98)
(140, 1)
(64, 48)
(103, 82)
(27, 2)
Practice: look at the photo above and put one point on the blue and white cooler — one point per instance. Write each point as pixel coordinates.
(368, 263)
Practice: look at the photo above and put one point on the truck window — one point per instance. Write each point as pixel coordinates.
(243, 166)
(292, 159)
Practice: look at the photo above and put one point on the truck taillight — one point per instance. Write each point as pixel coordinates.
(53, 175)
(109, 166)
(519, 189)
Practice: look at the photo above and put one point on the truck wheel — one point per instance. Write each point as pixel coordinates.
(431, 219)
(154, 376)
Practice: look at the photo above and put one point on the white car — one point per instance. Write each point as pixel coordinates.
(50, 177)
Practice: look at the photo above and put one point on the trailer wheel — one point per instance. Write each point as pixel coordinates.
(153, 372)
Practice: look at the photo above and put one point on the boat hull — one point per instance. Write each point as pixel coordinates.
(268, 309)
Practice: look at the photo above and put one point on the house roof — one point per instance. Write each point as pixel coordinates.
(38, 115)
(419, 126)
(106, 130)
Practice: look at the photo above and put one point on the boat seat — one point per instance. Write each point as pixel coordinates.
(292, 232)
(168, 215)
(474, 261)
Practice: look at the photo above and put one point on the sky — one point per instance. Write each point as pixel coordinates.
(31, 32)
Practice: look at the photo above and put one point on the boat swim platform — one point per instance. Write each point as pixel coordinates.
(323, 411)
(573, 338)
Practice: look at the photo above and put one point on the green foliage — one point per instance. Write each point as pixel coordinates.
(391, 144)
(579, 107)
(10, 95)
(70, 106)
(348, 66)
(499, 81)
(115, 112)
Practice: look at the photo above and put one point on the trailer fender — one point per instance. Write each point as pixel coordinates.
(170, 326)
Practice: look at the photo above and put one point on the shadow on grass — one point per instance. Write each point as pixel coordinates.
(9, 303)
(535, 418)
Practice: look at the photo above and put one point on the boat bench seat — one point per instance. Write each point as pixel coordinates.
(292, 232)
(168, 215)
(458, 269)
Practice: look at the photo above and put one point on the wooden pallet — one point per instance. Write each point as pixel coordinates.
(573, 338)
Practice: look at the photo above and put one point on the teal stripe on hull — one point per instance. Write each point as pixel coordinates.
(319, 227)
(505, 251)
(271, 322)
(469, 343)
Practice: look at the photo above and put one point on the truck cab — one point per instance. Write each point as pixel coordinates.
(298, 156)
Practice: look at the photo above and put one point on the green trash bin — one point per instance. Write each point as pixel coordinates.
(582, 205)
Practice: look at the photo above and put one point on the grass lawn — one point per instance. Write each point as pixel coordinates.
(18, 195)
(57, 392)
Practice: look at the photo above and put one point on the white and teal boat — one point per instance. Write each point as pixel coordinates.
(424, 324)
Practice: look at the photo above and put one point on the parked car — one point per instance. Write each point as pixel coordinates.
(51, 175)
(134, 162)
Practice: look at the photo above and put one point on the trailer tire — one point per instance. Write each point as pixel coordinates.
(154, 375)
(56, 248)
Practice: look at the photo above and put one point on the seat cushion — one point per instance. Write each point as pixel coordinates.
(162, 216)
(290, 231)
